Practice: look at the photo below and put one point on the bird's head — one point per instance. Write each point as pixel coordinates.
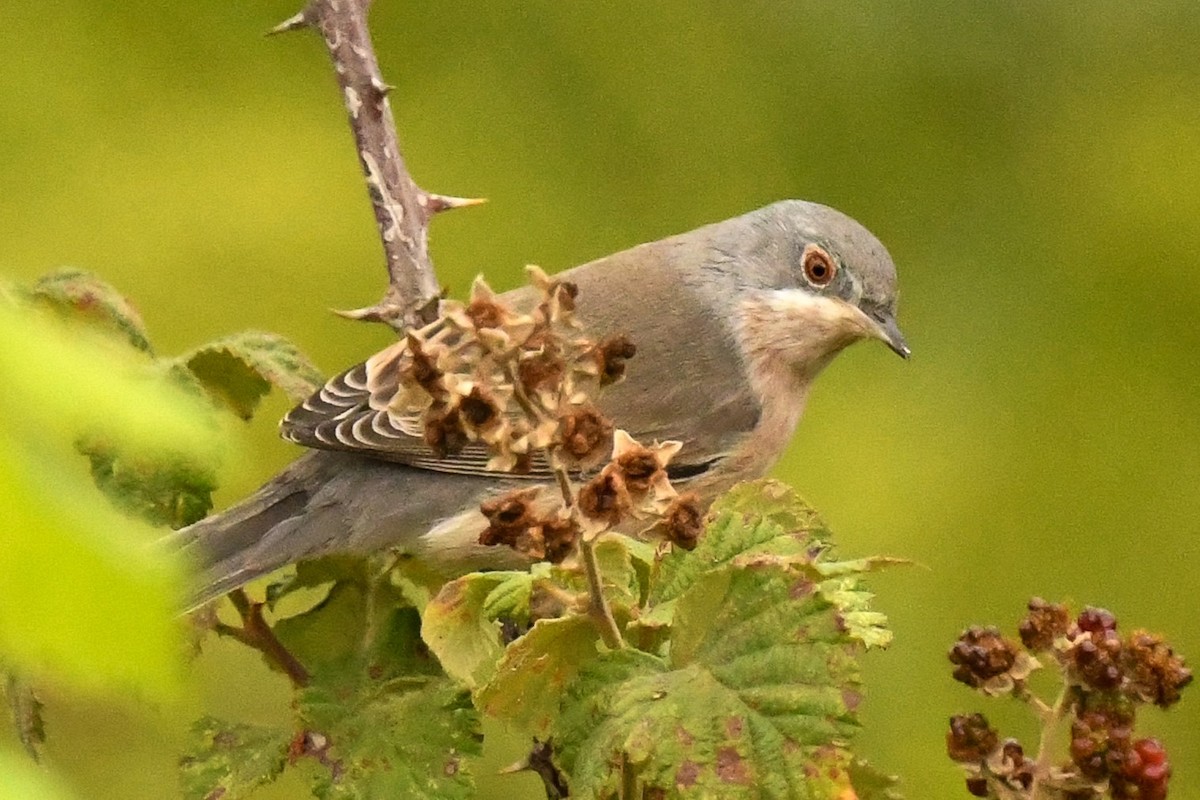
(808, 282)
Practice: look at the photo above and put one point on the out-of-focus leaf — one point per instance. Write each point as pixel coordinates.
(240, 370)
(81, 295)
(20, 779)
(381, 742)
(460, 626)
(60, 383)
(229, 761)
(529, 681)
(81, 592)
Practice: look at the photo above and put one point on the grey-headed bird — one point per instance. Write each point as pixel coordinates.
(732, 323)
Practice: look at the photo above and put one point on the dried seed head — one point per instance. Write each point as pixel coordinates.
(682, 522)
(420, 368)
(542, 371)
(584, 434)
(638, 467)
(605, 499)
(514, 521)
(610, 356)
(1100, 740)
(444, 430)
(479, 410)
(1095, 658)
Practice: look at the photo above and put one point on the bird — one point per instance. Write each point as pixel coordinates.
(732, 323)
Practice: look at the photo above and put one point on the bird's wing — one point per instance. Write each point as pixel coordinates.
(350, 413)
(686, 383)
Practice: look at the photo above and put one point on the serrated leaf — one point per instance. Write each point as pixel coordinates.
(871, 784)
(240, 370)
(528, 683)
(229, 761)
(82, 296)
(760, 673)
(759, 518)
(462, 633)
(383, 743)
(170, 489)
(358, 632)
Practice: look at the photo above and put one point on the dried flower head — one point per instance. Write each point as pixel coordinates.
(610, 356)
(515, 520)
(444, 430)
(584, 434)
(604, 499)
(683, 521)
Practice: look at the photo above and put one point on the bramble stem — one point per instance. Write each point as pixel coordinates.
(598, 607)
(1052, 718)
(257, 634)
(402, 209)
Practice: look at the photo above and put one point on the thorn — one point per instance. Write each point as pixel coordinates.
(381, 88)
(293, 23)
(438, 203)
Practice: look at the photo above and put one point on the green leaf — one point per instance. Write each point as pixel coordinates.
(871, 784)
(756, 518)
(62, 382)
(229, 761)
(79, 295)
(460, 623)
(170, 489)
(760, 674)
(382, 743)
(529, 681)
(240, 370)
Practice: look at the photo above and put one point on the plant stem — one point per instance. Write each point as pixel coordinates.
(598, 607)
(1052, 718)
(257, 634)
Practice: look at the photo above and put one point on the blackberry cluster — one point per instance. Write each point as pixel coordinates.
(1106, 677)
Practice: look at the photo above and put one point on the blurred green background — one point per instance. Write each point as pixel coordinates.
(1034, 169)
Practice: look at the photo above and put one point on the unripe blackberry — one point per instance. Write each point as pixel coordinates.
(1155, 673)
(981, 654)
(970, 739)
(1145, 773)
(1044, 623)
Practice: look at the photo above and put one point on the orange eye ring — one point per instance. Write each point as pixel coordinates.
(819, 267)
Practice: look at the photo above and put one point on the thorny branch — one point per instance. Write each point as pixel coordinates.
(402, 209)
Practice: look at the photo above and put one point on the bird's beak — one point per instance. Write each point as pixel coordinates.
(888, 332)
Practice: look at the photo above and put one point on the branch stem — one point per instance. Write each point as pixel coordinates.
(257, 634)
(1052, 718)
(598, 606)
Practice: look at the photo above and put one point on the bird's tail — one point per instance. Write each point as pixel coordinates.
(236, 546)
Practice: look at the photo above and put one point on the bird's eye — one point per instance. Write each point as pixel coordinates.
(819, 267)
